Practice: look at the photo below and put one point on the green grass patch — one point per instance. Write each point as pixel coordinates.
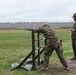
(16, 44)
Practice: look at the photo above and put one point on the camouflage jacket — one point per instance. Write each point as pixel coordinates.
(74, 31)
(48, 32)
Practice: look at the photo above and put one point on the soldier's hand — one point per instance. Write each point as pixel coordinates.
(72, 29)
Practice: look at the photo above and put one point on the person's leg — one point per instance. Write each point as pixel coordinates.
(47, 53)
(74, 49)
(61, 57)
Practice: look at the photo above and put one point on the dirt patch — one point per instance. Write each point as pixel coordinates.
(58, 69)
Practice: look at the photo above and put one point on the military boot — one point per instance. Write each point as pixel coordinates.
(74, 58)
(45, 68)
(66, 68)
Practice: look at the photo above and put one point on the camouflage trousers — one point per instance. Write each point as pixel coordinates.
(51, 46)
(74, 46)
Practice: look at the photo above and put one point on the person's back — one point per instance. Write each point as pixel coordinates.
(47, 31)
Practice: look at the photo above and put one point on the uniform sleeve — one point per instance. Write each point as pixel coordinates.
(74, 28)
(39, 30)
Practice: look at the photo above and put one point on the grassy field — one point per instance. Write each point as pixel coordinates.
(16, 44)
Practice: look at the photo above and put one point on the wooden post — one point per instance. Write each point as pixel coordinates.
(33, 50)
(38, 43)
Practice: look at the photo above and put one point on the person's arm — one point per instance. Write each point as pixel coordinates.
(39, 30)
(74, 28)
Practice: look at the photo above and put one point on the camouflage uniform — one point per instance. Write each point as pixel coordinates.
(73, 36)
(74, 39)
(52, 44)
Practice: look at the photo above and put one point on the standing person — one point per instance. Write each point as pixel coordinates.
(53, 43)
(73, 36)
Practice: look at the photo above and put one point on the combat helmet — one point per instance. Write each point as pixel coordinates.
(45, 24)
(74, 15)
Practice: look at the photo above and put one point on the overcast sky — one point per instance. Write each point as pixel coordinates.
(37, 10)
